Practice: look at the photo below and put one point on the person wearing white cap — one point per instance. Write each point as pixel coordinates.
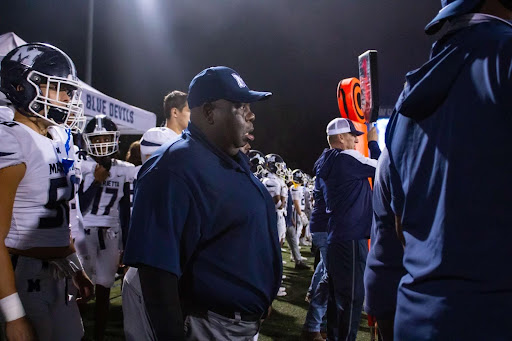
(343, 180)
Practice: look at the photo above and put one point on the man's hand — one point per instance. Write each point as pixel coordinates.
(84, 286)
(372, 134)
(100, 174)
(269, 310)
(19, 330)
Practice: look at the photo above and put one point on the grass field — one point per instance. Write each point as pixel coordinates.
(284, 324)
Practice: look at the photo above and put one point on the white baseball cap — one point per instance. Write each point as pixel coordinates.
(340, 126)
(153, 139)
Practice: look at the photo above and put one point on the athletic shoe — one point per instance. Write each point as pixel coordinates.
(304, 242)
(281, 292)
(311, 336)
(284, 277)
(302, 266)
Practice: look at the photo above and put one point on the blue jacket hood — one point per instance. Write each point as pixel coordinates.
(433, 80)
(323, 165)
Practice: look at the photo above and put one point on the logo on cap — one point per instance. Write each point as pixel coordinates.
(239, 80)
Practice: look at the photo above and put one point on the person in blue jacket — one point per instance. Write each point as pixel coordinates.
(343, 174)
(449, 186)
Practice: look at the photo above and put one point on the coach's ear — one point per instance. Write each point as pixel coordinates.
(208, 109)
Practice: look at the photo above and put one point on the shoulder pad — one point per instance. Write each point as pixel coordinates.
(11, 151)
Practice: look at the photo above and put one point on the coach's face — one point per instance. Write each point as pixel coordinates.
(348, 141)
(234, 122)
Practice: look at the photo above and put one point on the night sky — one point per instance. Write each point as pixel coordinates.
(298, 49)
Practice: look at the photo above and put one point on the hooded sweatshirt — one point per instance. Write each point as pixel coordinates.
(347, 193)
(448, 141)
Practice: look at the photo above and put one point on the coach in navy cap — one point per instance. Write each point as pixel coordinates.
(204, 224)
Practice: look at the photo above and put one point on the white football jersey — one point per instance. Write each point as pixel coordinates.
(104, 209)
(297, 192)
(273, 186)
(41, 212)
(308, 197)
(276, 186)
(6, 113)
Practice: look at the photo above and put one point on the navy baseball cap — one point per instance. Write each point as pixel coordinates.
(340, 126)
(221, 82)
(451, 8)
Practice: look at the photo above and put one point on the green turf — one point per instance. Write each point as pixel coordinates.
(284, 323)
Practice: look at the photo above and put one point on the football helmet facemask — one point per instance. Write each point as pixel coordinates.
(101, 136)
(34, 78)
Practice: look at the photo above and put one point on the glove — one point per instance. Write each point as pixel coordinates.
(66, 267)
(112, 234)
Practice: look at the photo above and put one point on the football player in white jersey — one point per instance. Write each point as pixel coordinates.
(299, 205)
(105, 206)
(277, 171)
(274, 185)
(176, 111)
(36, 166)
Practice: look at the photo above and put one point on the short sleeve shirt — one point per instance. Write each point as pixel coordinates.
(204, 217)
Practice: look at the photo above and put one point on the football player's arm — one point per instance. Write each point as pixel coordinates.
(277, 199)
(162, 301)
(18, 328)
(296, 205)
(296, 200)
(81, 281)
(282, 201)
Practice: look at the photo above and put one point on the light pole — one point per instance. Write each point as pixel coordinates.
(88, 48)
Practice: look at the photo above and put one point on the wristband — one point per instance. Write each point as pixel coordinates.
(11, 307)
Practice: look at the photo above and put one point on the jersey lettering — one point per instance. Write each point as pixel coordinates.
(60, 207)
(9, 124)
(97, 198)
